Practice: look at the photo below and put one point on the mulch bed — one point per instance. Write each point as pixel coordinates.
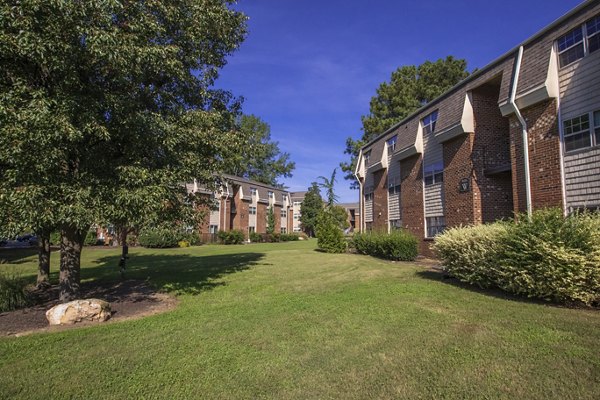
(128, 300)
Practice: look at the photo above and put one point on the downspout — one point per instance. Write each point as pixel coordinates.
(360, 202)
(523, 123)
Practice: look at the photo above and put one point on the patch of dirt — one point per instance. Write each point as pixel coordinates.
(129, 299)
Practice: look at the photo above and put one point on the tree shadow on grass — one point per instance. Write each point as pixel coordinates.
(19, 255)
(443, 277)
(175, 273)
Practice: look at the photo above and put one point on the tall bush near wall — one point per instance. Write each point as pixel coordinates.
(472, 254)
(399, 245)
(550, 257)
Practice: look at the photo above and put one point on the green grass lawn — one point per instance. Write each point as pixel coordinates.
(284, 321)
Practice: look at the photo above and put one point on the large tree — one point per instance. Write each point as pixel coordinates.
(311, 208)
(410, 87)
(260, 158)
(106, 109)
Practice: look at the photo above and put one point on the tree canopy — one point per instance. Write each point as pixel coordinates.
(311, 208)
(410, 87)
(107, 108)
(260, 158)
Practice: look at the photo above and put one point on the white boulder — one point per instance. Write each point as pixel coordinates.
(79, 310)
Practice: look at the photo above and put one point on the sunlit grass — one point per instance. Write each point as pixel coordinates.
(284, 321)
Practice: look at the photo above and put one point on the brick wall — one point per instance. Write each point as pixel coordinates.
(277, 211)
(459, 206)
(411, 193)
(492, 192)
(380, 201)
(261, 218)
(240, 218)
(544, 157)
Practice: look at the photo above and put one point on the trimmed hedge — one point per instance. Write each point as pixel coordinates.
(273, 237)
(550, 257)
(231, 237)
(399, 245)
(159, 238)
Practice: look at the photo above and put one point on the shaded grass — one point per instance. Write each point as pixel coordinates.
(283, 321)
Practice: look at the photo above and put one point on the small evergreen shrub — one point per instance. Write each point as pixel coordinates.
(231, 237)
(256, 237)
(330, 237)
(399, 245)
(289, 237)
(159, 238)
(13, 292)
(90, 238)
(275, 237)
(550, 257)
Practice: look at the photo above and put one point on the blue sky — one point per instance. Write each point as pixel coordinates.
(309, 68)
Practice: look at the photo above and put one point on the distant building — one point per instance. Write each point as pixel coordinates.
(353, 211)
(460, 159)
(297, 199)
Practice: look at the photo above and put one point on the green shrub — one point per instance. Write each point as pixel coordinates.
(90, 238)
(330, 237)
(256, 237)
(289, 237)
(472, 254)
(13, 292)
(398, 245)
(550, 257)
(274, 237)
(159, 238)
(231, 237)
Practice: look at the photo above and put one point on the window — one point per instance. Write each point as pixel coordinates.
(297, 229)
(251, 229)
(395, 189)
(271, 195)
(283, 213)
(577, 132)
(296, 216)
(367, 157)
(391, 144)
(297, 204)
(213, 229)
(435, 225)
(433, 173)
(253, 192)
(283, 230)
(429, 122)
(368, 196)
(252, 210)
(579, 42)
(396, 224)
(592, 28)
(570, 46)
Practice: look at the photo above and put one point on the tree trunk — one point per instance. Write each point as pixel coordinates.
(71, 244)
(124, 251)
(43, 278)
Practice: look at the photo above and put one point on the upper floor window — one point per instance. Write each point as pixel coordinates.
(271, 195)
(577, 132)
(283, 213)
(579, 42)
(367, 157)
(252, 210)
(429, 122)
(297, 204)
(391, 144)
(433, 173)
(394, 189)
(253, 191)
(368, 196)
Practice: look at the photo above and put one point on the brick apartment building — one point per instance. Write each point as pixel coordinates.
(243, 204)
(461, 158)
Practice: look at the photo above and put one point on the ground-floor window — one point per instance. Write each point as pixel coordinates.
(435, 225)
(369, 226)
(297, 229)
(283, 230)
(395, 224)
(213, 229)
(251, 229)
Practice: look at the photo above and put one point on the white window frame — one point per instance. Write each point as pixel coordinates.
(429, 121)
(251, 229)
(395, 224)
(283, 213)
(391, 144)
(252, 210)
(584, 42)
(367, 157)
(271, 195)
(593, 130)
(213, 229)
(431, 230)
(434, 171)
(283, 229)
(253, 191)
